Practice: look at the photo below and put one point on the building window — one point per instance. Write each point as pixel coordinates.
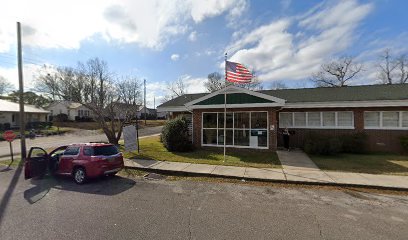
(241, 120)
(386, 120)
(390, 119)
(243, 129)
(344, 119)
(210, 120)
(313, 119)
(404, 119)
(329, 119)
(300, 119)
(339, 120)
(372, 119)
(286, 120)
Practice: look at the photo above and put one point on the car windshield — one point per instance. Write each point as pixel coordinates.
(105, 150)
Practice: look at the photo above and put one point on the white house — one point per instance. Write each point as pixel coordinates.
(150, 112)
(71, 109)
(9, 113)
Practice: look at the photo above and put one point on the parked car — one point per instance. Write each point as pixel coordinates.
(81, 161)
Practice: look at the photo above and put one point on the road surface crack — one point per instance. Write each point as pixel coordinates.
(319, 226)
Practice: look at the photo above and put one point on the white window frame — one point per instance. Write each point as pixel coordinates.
(321, 121)
(233, 130)
(381, 127)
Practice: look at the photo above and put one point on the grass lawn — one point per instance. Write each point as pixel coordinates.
(7, 162)
(152, 148)
(364, 163)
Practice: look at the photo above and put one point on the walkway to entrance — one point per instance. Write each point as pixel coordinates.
(297, 166)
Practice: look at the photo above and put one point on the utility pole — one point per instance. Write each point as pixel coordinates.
(144, 82)
(21, 94)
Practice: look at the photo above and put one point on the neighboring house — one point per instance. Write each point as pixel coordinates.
(150, 112)
(9, 113)
(73, 110)
(122, 110)
(255, 119)
(161, 115)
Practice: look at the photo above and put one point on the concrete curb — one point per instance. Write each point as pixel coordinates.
(193, 174)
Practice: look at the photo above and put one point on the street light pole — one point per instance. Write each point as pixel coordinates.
(21, 93)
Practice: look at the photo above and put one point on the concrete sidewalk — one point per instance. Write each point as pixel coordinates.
(297, 166)
(306, 176)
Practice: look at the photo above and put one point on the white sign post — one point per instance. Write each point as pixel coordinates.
(130, 137)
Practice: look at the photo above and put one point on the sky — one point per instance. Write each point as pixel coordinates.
(165, 40)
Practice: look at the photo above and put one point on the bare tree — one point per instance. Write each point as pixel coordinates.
(214, 82)
(393, 70)
(337, 73)
(175, 89)
(387, 66)
(93, 85)
(5, 86)
(278, 85)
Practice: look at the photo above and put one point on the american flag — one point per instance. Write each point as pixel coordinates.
(236, 72)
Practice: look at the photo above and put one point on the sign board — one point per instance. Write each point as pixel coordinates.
(130, 137)
(9, 135)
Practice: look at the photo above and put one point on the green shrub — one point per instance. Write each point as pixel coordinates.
(354, 143)
(174, 135)
(334, 146)
(328, 145)
(322, 145)
(404, 143)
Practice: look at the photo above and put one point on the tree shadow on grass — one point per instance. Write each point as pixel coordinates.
(364, 163)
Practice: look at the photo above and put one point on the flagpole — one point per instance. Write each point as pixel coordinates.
(225, 106)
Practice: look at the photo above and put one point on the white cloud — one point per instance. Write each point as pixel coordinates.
(194, 85)
(156, 91)
(278, 54)
(64, 24)
(29, 73)
(210, 8)
(193, 36)
(175, 57)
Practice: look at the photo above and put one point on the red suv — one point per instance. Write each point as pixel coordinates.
(82, 161)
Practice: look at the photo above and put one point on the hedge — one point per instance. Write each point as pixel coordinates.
(175, 137)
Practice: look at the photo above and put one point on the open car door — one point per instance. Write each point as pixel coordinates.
(36, 163)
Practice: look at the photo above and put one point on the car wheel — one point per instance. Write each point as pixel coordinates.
(79, 175)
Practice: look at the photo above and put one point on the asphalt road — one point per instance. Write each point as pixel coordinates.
(123, 208)
(55, 141)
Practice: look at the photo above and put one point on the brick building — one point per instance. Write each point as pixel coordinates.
(255, 119)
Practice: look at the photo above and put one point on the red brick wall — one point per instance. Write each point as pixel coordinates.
(378, 140)
(197, 115)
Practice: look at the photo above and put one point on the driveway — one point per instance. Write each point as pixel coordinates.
(77, 136)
